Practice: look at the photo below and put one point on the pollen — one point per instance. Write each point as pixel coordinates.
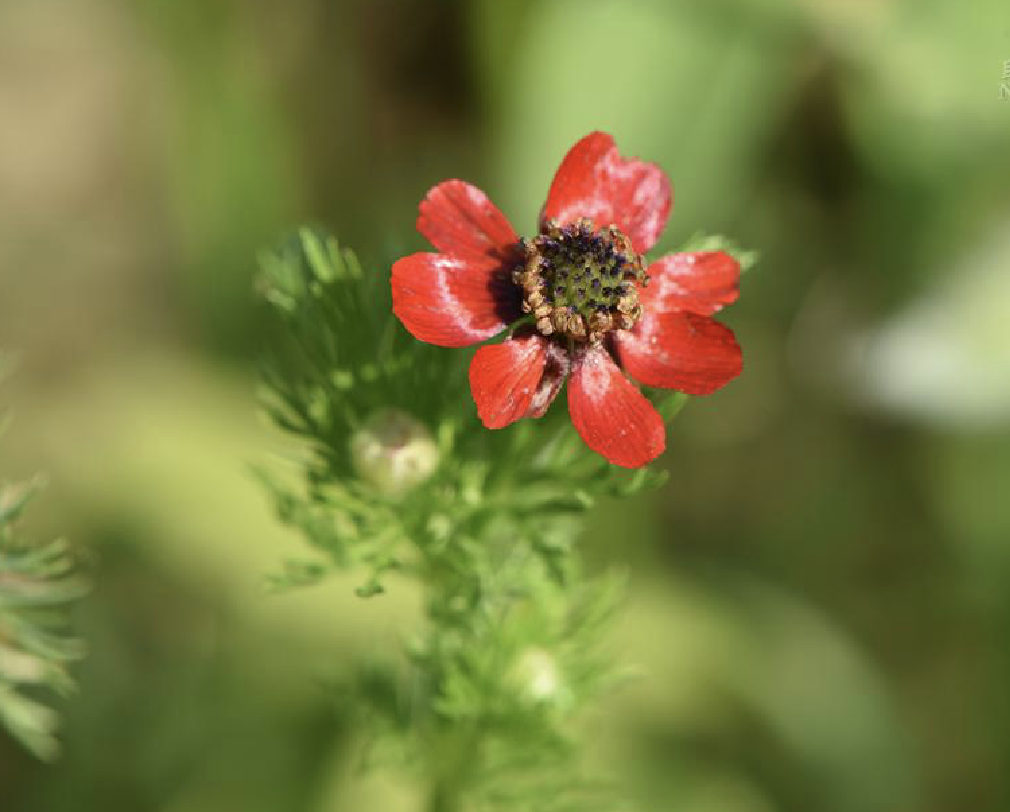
(581, 282)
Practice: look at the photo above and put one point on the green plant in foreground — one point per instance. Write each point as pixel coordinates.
(393, 475)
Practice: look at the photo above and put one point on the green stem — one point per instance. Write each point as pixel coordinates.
(444, 798)
(458, 756)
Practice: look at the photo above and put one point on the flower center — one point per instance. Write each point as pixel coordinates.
(579, 282)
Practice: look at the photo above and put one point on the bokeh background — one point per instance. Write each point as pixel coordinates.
(820, 597)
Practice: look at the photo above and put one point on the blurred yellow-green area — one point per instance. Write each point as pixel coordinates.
(820, 597)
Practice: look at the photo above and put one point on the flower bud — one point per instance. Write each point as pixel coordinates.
(538, 675)
(393, 451)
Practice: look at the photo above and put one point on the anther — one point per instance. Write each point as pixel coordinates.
(580, 282)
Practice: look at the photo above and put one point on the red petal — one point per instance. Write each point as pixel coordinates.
(613, 417)
(682, 351)
(459, 219)
(504, 378)
(702, 282)
(556, 368)
(452, 302)
(595, 181)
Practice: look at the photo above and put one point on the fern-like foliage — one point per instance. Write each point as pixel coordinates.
(37, 581)
(391, 472)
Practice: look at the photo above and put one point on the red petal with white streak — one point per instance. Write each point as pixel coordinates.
(451, 301)
(683, 351)
(504, 378)
(610, 414)
(595, 181)
(702, 282)
(459, 219)
(557, 365)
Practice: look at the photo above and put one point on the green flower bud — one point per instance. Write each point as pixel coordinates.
(393, 451)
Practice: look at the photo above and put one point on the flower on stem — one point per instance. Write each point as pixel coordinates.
(595, 310)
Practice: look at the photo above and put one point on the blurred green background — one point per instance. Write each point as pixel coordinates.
(820, 598)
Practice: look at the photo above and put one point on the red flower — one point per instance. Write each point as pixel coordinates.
(596, 310)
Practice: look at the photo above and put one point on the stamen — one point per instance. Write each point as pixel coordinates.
(581, 282)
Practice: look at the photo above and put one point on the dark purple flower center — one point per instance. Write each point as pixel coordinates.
(581, 282)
